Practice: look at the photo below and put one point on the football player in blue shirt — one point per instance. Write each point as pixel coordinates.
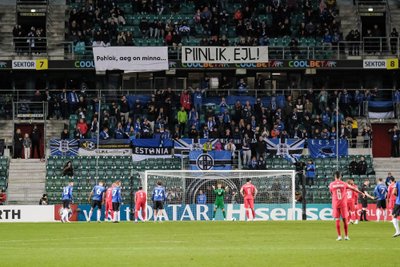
(96, 198)
(66, 199)
(158, 197)
(116, 200)
(396, 209)
(380, 193)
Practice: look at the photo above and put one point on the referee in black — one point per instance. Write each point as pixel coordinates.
(364, 200)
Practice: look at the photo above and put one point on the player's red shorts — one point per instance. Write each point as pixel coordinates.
(108, 206)
(351, 206)
(338, 211)
(391, 204)
(249, 203)
(140, 205)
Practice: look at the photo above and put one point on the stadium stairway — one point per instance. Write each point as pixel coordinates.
(384, 165)
(349, 19)
(6, 132)
(26, 182)
(54, 128)
(7, 22)
(56, 28)
(394, 6)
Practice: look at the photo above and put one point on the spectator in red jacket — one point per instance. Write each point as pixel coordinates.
(185, 100)
(83, 127)
(3, 197)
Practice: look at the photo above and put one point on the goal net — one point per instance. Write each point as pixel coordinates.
(275, 199)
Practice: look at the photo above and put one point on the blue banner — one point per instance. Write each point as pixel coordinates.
(212, 160)
(290, 149)
(193, 212)
(152, 143)
(327, 148)
(67, 147)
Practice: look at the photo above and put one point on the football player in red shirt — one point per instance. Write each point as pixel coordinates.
(391, 198)
(249, 192)
(140, 203)
(338, 190)
(108, 208)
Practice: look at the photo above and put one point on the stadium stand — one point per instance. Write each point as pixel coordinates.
(110, 169)
(296, 24)
(4, 166)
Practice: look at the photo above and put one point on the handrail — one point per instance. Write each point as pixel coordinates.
(381, 46)
(23, 95)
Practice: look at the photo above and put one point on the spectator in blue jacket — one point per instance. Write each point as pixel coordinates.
(396, 100)
(73, 100)
(119, 132)
(198, 99)
(310, 172)
(104, 134)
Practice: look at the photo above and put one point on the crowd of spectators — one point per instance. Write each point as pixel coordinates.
(358, 168)
(240, 127)
(27, 145)
(30, 40)
(95, 25)
(251, 22)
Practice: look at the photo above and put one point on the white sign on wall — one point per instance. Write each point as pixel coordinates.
(28, 213)
(131, 59)
(220, 54)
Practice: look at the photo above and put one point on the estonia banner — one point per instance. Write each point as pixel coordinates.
(380, 109)
(290, 149)
(151, 148)
(60, 147)
(213, 160)
(327, 148)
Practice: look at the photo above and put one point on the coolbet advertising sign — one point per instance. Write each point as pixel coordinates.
(131, 59)
(218, 54)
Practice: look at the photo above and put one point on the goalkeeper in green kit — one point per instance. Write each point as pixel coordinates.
(219, 200)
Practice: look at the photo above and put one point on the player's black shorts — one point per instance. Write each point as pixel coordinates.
(396, 210)
(381, 204)
(96, 203)
(158, 205)
(66, 204)
(364, 203)
(115, 206)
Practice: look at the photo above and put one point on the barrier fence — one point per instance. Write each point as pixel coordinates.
(386, 47)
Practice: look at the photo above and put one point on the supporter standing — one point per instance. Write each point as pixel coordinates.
(18, 144)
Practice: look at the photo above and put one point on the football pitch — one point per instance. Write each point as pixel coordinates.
(247, 244)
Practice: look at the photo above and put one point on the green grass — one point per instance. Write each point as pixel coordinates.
(196, 244)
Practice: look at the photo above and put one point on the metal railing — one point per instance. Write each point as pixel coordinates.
(30, 110)
(369, 46)
(25, 95)
(30, 46)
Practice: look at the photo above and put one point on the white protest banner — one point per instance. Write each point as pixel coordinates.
(219, 54)
(133, 58)
(31, 213)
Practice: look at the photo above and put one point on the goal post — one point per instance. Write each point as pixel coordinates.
(275, 199)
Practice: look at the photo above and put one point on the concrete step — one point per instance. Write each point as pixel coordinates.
(26, 180)
(384, 165)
